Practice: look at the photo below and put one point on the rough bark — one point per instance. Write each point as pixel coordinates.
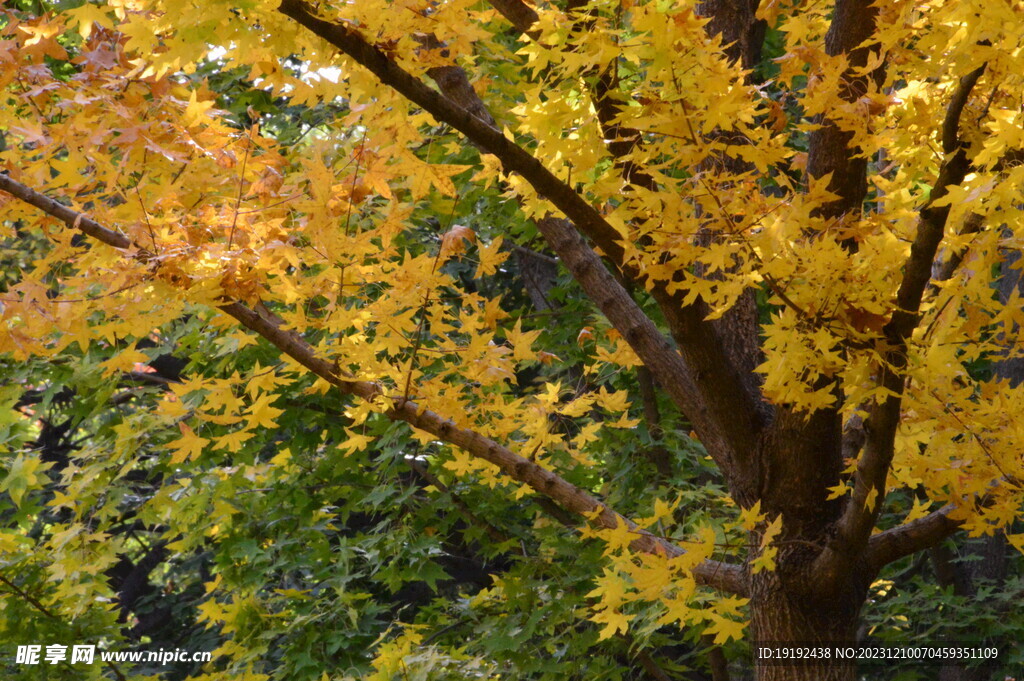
(780, 616)
(829, 148)
(742, 34)
(741, 31)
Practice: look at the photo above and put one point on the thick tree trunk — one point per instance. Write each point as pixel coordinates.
(794, 605)
(783, 614)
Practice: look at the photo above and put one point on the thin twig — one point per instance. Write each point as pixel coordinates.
(241, 186)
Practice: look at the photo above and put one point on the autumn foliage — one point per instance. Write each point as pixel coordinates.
(717, 294)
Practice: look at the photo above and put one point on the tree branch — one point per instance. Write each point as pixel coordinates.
(852, 24)
(513, 157)
(619, 139)
(70, 217)
(519, 14)
(727, 445)
(657, 453)
(859, 516)
(909, 538)
(707, 388)
(726, 350)
(724, 576)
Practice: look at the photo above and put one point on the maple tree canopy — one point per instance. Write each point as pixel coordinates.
(763, 248)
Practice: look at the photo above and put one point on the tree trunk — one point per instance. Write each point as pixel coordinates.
(783, 613)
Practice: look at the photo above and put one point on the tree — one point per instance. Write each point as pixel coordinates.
(788, 218)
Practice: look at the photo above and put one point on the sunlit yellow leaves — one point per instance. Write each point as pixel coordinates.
(750, 517)
(87, 16)
(264, 379)
(871, 500)
(639, 580)
(919, 510)
(614, 622)
(663, 510)
(188, 447)
(222, 397)
(31, 132)
(196, 110)
(124, 361)
(617, 352)
(724, 629)
(522, 341)
(355, 442)
(424, 177)
(490, 257)
(260, 414)
(837, 491)
(611, 592)
(233, 440)
(680, 607)
(41, 39)
(653, 577)
(330, 237)
(409, 653)
(618, 538)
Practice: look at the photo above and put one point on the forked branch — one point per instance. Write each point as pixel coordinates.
(865, 503)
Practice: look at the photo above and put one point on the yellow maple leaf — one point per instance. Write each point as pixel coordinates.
(615, 622)
(354, 442)
(124, 361)
(261, 414)
(188, 447)
(196, 111)
(85, 16)
(724, 629)
(234, 440)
